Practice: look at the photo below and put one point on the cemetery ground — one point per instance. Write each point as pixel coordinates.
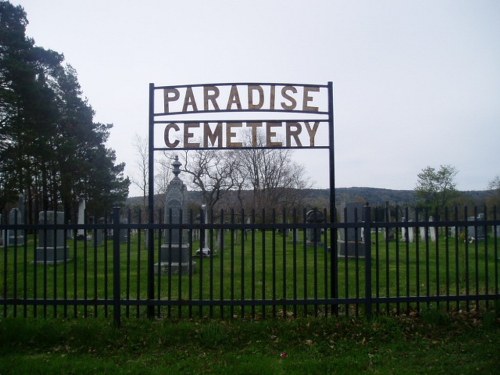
(182, 339)
(431, 343)
(266, 265)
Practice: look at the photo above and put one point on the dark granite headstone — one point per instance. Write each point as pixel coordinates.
(476, 232)
(99, 233)
(351, 242)
(313, 235)
(51, 242)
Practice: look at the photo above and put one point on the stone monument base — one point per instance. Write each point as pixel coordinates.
(351, 249)
(176, 258)
(51, 255)
(313, 244)
(175, 268)
(13, 241)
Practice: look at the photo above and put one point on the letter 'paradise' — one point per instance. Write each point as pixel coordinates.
(249, 97)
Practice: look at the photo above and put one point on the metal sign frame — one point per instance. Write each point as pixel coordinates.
(155, 118)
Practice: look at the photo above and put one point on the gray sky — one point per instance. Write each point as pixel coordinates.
(417, 83)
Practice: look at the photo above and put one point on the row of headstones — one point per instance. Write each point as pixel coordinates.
(51, 246)
(351, 241)
(99, 232)
(473, 232)
(351, 209)
(47, 238)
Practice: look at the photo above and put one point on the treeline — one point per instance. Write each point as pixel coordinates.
(51, 150)
(319, 198)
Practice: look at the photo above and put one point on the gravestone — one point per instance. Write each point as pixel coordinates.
(80, 234)
(123, 232)
(204, 250)
(470, 229)
(408, 233)
(248, 230)
(476, 232)
(452, 231)
(313, 235)
(196, 232)
(350, 243)
(422, 231)
(481, 232)
(432, 230)
(15, 236)
(99, 233)
(51, 242)
(389, 232)
(218, 240)
(16, 216)
(174, 252)
(496, 231)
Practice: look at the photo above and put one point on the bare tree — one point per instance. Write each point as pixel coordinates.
(141, 181)
(495, 184)
(212, 172)
(164, 172)
(259, 178)
(274, 178)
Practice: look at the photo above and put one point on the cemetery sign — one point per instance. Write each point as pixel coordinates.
(170, 128)
(276, 115)
(240, 116)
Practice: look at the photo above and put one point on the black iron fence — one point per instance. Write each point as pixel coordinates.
(250, 265)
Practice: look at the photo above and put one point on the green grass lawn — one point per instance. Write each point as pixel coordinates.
(432, 343)
(264, 266)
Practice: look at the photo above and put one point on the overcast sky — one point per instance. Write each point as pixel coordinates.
(417, 83)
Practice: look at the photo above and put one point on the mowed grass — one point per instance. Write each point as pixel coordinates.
(258, 266)
(432, 343)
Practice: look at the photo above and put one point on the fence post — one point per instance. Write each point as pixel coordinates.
(116, 266)
(151, 201)
(368, 261)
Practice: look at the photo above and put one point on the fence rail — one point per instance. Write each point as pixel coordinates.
(250, 265)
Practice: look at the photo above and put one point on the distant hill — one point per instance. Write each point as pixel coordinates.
(320, 197)
(374, 196)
